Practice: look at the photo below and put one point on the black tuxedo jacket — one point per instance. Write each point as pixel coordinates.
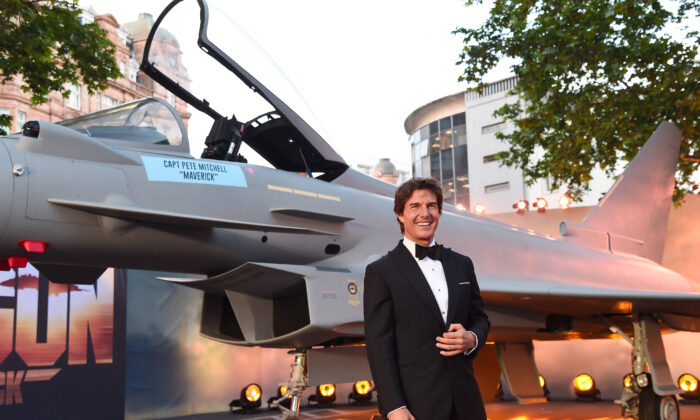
(402, 321)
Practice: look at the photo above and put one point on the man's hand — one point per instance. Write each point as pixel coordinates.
(456, 341)
(401, 414)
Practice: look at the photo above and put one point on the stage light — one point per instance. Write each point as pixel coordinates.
(250, 399)
(325, 395)
(689, 385)
(521, 206)
(479, 209)
(584, 387)
(540, 204)
(565, 201)
(361, 392)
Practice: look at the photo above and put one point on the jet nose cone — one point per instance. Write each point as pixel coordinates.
(6, 189)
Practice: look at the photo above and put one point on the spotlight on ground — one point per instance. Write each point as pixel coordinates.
(361, 392)
(540, 205)
(689, 385)
(480, 209)
(521, 206)
(565, 201)
(281, 390)
(249, 401)
(325, 395)
(584, 387)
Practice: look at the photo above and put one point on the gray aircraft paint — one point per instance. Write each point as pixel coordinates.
(116, 211)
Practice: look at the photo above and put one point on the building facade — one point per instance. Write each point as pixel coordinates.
(453, 140)
(133, 84)
(438, 140)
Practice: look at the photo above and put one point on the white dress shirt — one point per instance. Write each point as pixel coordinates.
(435, 275)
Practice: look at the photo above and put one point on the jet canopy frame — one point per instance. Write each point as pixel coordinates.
(281, 137)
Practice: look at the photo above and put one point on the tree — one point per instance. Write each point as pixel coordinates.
(45, 43)
(595, 79)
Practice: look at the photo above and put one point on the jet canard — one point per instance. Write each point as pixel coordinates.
(280, 252)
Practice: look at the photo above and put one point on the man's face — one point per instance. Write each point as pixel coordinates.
(420, 217)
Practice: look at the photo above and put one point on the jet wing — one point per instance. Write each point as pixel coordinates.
(139, 214)
(578, 301)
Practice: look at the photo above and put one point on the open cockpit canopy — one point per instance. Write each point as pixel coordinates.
(196, 67)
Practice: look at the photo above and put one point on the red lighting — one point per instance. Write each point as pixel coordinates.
(479, 208)
(34, 246)
(565, 201)
(17, 262)
(521, 206)
(541, 204)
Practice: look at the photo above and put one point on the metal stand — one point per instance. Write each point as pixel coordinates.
(651, 395)
(295, 387)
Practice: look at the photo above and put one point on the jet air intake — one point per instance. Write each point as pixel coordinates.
(275, 305)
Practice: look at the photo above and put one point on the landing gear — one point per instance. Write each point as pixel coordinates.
(295, 387)
(652, 406)
(651, 394)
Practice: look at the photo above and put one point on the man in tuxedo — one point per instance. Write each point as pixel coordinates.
(424, 318)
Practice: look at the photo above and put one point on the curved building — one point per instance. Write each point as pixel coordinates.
(438, 136)
(454, 140)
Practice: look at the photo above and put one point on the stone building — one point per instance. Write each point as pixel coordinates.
(129, 40)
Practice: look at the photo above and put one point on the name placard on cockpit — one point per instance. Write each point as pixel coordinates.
(193, 171)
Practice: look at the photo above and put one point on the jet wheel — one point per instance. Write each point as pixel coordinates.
(657, 407)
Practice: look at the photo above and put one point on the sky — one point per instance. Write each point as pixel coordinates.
(362, 67)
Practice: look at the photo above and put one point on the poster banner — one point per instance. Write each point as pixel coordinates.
(61, 347)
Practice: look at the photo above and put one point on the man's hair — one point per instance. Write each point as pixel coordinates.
(405, 191)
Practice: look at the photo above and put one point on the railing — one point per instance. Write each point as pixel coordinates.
(493, 88)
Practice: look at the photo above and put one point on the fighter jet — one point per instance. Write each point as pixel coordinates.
(280, 251)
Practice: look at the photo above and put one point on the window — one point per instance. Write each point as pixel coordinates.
(108, 102)
(446, 158)
(21, 119)
(419, 150)
(435, 166)
(98, 101)
(171, 98)
(74, 96)
(461, 165)
(445, 133)
(497, 187)
(491, 158)
(459, 129)
(434, 137)
(424, 132)
(492, 128)
(122, 68)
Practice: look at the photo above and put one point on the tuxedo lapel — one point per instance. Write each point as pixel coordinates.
(449, 265)
(409, 271)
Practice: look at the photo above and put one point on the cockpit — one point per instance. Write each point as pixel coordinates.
(280, 131)
(146, 121)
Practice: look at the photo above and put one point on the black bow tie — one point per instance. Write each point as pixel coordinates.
(432, 252)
